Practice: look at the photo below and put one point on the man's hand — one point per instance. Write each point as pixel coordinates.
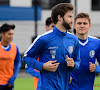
(51, 66)
(92, 67)
(70, 62)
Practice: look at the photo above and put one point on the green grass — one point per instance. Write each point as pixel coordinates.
(28, 84)
(97, 83)
(24, 84)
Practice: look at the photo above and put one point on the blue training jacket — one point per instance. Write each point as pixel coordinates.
(53, 45)
(83, 79)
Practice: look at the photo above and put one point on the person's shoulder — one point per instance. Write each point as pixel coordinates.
(13, 44)
(71, 35)
(43, 37)
(93, 38)
(46, 35)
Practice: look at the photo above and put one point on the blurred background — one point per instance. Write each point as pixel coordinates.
(29, 17)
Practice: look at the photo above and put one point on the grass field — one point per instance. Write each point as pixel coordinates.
(97, 83)
(24, 84)
(27, 84)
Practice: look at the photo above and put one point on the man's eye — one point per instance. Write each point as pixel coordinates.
(70, 16)
(85, 23)
(79, 23)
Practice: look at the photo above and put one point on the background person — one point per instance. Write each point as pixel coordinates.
(9, 58)
(83, 78)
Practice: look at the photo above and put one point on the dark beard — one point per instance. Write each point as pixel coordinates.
(65, 24)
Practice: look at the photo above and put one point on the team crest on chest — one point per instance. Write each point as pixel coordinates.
(53, 51)
(70, 49)
(92, 53)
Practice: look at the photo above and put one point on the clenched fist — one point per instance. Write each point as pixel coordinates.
(92, 67)
(51, 66)
(70, 62)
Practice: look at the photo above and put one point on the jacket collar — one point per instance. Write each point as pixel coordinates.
(83, 43)
(57, 31)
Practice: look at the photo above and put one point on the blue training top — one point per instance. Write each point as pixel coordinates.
(53, 45)
(83, 79)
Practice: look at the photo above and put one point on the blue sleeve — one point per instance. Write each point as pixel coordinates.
(17, 65)
(76, 56)
(31, 71)
(34, 50)
(97, 70)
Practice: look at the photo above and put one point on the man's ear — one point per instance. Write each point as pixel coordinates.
(2, 34)
(59, 18)
(74, 25)
(90, 27)
(46, 27)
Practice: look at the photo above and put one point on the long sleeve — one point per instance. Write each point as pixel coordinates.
(17, 65)
(33, 51)
(31, 71)
(97, 70)
(76, 57)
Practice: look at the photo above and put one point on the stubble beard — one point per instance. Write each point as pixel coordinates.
(65, 24)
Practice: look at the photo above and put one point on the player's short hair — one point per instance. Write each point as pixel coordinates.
(48, 21)
(60, 9)
(83, 15)
(6, 27)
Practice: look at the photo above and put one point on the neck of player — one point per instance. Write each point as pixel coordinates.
(61, 28)
(82, 36)
(4, 43)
